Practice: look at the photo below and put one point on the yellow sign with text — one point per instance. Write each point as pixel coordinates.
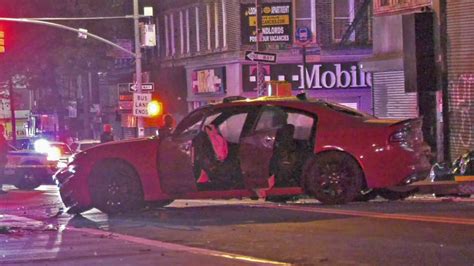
(270, 20)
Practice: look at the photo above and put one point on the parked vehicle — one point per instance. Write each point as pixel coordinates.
(56, 150)
(27, 169)
(263, 147)
(81, 145)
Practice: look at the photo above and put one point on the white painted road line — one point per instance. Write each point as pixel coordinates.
(20, 221)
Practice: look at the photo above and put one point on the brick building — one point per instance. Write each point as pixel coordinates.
(202, 46)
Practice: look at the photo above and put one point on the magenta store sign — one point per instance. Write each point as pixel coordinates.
(321, 76)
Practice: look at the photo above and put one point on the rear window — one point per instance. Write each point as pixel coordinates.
(346, 110)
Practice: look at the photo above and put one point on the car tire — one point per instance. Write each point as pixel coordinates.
(394, 195)
(333, 178)
(115, 187)
(29, 178)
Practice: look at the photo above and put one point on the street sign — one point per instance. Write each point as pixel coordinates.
(146, 87)
(303, 35)
(313, 50)
(260, 57)
(140, 104)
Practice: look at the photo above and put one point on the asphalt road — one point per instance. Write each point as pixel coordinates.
(419, 231)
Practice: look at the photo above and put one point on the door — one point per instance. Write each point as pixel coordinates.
(277, 145)
(221, 172)
(175, 155)
(256, 147)
(187, 161)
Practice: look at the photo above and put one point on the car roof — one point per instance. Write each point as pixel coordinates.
(87, 141)
(299, 101)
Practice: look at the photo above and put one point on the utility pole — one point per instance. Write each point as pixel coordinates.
(138, 63)
(260, 73)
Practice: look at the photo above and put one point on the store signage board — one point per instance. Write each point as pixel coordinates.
(275, 23)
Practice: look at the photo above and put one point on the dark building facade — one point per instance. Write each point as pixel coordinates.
(457, 40)
(209, 40)
(422, 67)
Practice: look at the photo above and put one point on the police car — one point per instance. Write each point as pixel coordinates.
(29, 168)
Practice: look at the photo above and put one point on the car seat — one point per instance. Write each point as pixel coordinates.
(284, 156)
(216, 168)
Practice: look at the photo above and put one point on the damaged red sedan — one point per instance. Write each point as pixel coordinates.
(262, 147)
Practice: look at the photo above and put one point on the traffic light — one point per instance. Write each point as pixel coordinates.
(2, 41)
(155, 108)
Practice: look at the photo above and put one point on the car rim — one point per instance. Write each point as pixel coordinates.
(118, 191)
(333, 180)
(116, 188)
(29, 177)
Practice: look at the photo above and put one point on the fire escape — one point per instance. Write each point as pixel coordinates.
(360, 16)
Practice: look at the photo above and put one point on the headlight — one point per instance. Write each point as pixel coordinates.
(42, 146)
(71, 158)
(54, 154)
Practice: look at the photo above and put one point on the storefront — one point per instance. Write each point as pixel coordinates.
(341, 82)
(460, 90)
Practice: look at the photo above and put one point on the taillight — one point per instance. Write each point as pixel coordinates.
(399, 136)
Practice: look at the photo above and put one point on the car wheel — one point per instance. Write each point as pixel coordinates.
(29, 179)
(115, 187)
(333, 178)
(394, 195)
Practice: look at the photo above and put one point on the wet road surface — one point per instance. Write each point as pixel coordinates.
(421, 230)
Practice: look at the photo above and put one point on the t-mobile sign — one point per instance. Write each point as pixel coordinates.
(345, 75)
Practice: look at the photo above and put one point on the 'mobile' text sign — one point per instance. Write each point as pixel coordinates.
(140, 104)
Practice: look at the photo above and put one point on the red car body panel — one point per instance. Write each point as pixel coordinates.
(365, 138)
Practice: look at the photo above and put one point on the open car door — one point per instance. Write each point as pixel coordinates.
(175, 155)
(273, 151)
(256, 147)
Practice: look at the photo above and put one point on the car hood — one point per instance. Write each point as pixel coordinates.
(26, 153)
(128, 146)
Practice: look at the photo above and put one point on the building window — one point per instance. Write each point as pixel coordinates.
(198, 33)
(216, 24)
(181, 32)
(384, 2)
(305, 15)
(343, 15)
(167, 41)
(172, 35)
(208, 24)
(188, 30)
(224, 23)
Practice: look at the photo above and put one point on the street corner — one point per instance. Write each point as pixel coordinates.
(13, 196)
(16, 226)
